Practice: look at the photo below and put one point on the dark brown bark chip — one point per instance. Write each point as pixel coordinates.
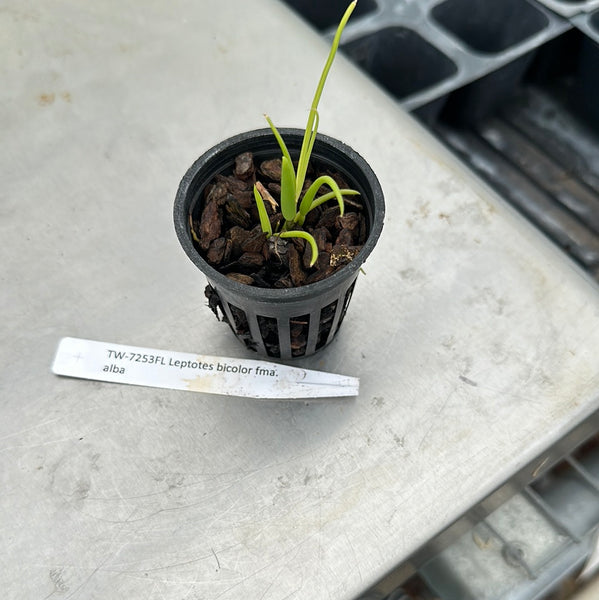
(323, 271)
(274, 188)
(283, 282)
(312, 218)
(240, 190)
(251, 260)
(295, 330)
(307, 256)
(236, 214)
(323, 262)
(255, 240)
(245, 199)
(295, 270)
(322, 237)
(299, 243)
(217, 194)
(241, 278)
(238, 236)
(233, 184)
(210, 225)
(351, 202)
(216, 251)
(271, 169)
(328, 218)
(298, 335)
(244, 165)
(228, 251)
(345, 238)
(350, 220)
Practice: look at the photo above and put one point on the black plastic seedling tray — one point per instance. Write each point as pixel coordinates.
(510, 86)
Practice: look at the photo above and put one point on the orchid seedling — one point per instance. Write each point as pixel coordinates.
(293, 179)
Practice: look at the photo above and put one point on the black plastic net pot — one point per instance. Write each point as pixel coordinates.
(290, 322)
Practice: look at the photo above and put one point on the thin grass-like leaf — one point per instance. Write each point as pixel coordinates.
(308, 200)
(264, 220)
(305, 154)
(308, 134)
(332, 53)
(280, 141)
(288, 204)
(330, 195)
(305, 236)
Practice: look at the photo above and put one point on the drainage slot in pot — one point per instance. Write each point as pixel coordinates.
(594, 21)
(327, 316)
(238, 321)
(346, 301)
(400, 60)
(299, 328)
(269, 331)
(490, 26)
(324, 15)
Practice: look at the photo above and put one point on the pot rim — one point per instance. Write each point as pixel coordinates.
(327, 149)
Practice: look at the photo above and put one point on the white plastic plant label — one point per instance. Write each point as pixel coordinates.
(101, 361)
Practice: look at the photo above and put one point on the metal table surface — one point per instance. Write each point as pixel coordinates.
(474, 338)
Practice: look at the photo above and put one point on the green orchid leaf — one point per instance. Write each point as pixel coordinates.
(305, 236)
(306, 152)
(280, 141)
(288, 205)
(332, 53)
(264, 220)
(310, 132)
(308, 202)
(330, 195)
